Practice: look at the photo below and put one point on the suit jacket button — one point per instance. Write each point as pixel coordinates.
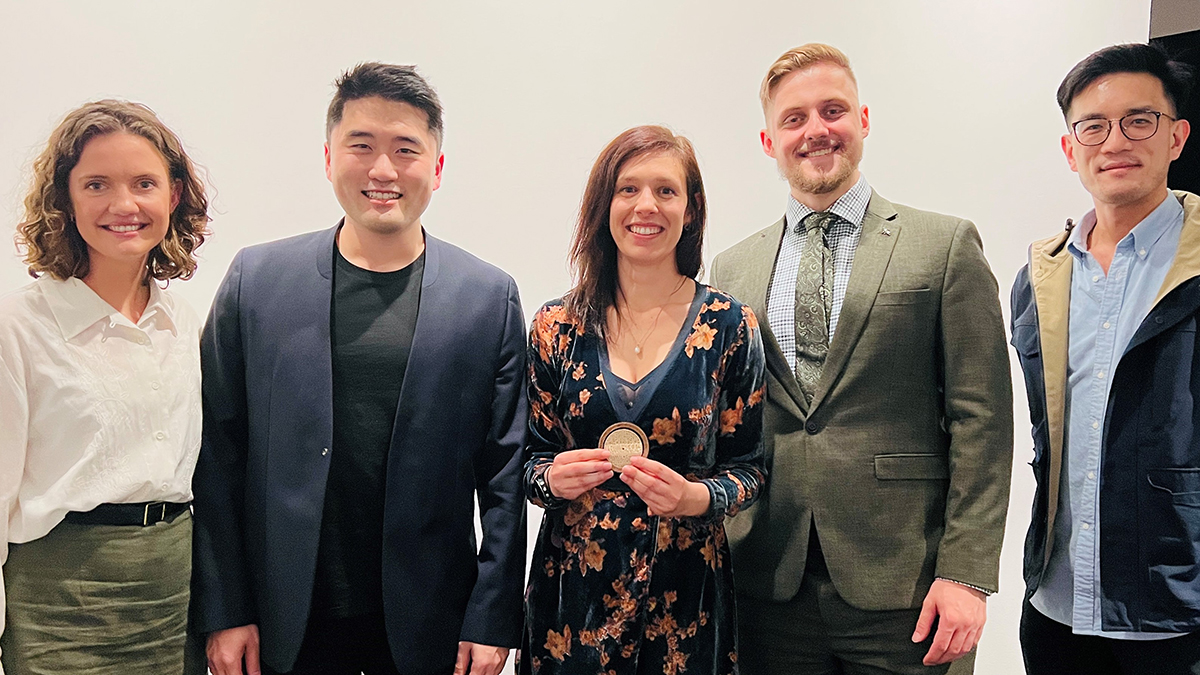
(811, 427)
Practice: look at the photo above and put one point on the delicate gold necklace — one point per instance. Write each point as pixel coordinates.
(637, 344)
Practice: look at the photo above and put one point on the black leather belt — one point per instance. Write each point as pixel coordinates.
(142, 513)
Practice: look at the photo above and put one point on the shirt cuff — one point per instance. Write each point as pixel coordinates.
(985, 591)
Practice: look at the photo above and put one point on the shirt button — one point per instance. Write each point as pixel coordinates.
(165, 486)
(160, 435)
(324, 451)
(1100, 375)
(629, 404)
(1096, 277)
(1107, 324)
(1086, 526)
(1142, 253)
(1095, 424)
(1091, 475)
(155, 385)
(811, 427)
(143, 341)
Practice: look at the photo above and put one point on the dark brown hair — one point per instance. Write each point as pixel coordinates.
(593, 256)
(47, 234)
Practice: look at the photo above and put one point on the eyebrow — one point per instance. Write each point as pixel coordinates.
(829, 101)
(95, 176)
(354, 133)
(1128, 111)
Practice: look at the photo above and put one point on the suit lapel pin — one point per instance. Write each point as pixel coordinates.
(887, 232)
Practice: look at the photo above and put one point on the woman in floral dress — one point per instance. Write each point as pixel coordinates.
(631, 572)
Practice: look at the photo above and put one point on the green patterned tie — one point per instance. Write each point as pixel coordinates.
(814, 301)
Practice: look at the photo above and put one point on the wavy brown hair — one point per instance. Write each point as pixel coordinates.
(593, 256)
(47, 234)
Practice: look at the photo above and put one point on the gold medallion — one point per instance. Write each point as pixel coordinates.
(624, 441)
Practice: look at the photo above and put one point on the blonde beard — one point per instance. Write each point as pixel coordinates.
(801, 182)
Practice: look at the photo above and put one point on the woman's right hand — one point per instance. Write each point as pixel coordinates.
(574, 472)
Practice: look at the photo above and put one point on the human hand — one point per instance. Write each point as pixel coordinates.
(961, 613)
(574, 472)
(665, 492)
(481, 659)
(227, 649)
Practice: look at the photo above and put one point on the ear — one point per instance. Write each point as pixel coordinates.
(1180, 131)
(768, 144)
(176, 194)
(328, 172)
(437, 171)
(1068, 148)
(865, 121)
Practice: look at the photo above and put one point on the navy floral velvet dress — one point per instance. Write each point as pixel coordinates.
(613, 590)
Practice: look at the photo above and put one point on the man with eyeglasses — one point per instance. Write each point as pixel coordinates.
(1104, 321)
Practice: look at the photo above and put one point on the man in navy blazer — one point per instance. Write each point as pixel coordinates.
(362, 385)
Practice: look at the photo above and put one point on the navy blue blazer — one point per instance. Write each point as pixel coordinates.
(460, 424)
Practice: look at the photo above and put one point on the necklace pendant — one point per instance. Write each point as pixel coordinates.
(637, 349)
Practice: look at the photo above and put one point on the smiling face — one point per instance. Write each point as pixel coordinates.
(1121, 172)
(815, 130)
(384, 164)
(122, 197)
(648, 208)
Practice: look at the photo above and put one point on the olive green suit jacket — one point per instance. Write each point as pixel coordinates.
(904, 458)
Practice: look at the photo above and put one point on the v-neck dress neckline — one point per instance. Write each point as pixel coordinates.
(629, 399)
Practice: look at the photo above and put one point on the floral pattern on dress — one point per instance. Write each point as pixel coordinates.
(613, 590)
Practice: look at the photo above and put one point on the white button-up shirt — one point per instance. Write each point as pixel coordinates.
(93, 408)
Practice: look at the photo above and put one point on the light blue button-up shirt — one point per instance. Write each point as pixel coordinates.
(1106, 311)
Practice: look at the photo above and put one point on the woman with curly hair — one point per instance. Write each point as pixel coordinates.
(643, 371)
(100, 403)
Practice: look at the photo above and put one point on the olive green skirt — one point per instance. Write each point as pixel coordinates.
(100, 600)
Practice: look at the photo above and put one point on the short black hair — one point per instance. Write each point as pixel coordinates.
(1176, 76)
(394, 83)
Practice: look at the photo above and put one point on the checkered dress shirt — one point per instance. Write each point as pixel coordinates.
(843, 239)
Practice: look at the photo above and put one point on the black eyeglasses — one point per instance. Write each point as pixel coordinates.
(1136, 126)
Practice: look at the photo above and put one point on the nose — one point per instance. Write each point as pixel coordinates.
(1116, 141)
(382, 171)
(815, 127)
(646, 203)
(123, 202)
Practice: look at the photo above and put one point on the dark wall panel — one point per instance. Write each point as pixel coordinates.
(1185, 171)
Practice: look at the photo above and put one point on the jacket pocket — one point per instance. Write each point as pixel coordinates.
(912, 466)
(912, 297)
(1182, 484)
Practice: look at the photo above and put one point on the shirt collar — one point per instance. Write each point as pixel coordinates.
(1143, 236)
(852, 206)
(76, 307)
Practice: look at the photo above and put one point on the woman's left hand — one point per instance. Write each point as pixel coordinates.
(665, 492)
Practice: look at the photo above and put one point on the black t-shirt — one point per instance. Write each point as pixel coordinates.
(373, 316)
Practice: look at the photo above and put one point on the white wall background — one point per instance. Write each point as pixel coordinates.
(961, 97)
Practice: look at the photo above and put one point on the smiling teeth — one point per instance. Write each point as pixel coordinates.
(382, 195)
(125, 228)
(820, 153)
(644, 229)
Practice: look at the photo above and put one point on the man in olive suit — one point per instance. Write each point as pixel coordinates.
(889, 407)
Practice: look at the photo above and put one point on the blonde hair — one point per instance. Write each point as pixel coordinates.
(47, 234)
(797, 59)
